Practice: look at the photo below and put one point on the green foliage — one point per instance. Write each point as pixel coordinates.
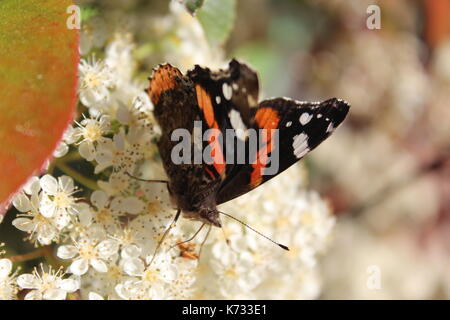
(88, 12)
(193, 5)
(217, 18)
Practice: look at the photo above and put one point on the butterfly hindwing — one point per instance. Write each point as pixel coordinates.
(292, 129)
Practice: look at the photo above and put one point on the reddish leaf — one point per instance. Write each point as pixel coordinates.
(38, 80)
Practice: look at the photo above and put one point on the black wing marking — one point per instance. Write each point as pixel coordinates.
(302, 127)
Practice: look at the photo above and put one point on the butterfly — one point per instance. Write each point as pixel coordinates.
(271, 135)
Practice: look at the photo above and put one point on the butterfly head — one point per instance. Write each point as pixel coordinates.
(205, 215)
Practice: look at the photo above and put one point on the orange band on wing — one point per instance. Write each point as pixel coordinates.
(205, 104)
(268, 119)
(163, 79)
(216, 153)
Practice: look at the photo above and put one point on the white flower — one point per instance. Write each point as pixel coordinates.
(160, 270)
(95, 80)
(118, 183)
(57, 199)
(33, 222)
(150, 279)
(119, 58)
(93, 34)
(133, 289)
(234, 276)
(63, 147)
(91, 131)
(87, 253)
(8, 287)
(121, 152)
(47, 285)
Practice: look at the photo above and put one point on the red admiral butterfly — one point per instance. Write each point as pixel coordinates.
(228, 100)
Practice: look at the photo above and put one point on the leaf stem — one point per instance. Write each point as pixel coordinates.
(29, 256)
(77, 176)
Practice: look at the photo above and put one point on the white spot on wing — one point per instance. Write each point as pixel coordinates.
(218, 99)
(305, 118)
(288, 124)
(227, 91)
(330, 127)
(251, 101)
(300, 145)
(238, 125)
(319, 115)
(235, 86)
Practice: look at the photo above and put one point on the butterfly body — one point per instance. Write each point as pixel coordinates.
(222, 102)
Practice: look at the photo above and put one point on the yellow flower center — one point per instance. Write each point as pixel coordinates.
(150, 275)
(231, 273)
(92, 132)
(307, 219)
(92, 80)
(63, 200)
(104, 215)
(88, 251)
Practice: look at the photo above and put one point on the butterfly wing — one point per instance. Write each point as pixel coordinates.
(226, 98)
(287, 131)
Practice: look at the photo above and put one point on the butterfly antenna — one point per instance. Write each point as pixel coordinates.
(164, 235)
(190, 239)
(282, 246)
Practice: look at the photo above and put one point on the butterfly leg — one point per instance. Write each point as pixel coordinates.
(165, 234)
(145, 180)
(190, 239)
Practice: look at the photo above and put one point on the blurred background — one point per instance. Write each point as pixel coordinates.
(386, 171)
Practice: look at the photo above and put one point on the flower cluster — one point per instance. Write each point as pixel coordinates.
(105, 226)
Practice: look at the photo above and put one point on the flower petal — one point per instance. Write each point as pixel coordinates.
(69, 285)
(133, 205)
(23, 224)
(79, 267)
(22, 202)
(5, 268)
(49, 184)
(55, 294)
(66, 252)
(99, 265)
(99, 198)
(130, 251)
(95, 296)
(32, 186)
(27, 281)
(133, 267)
(66, 184)
(33, 295)
(107, 248)
(87, 150)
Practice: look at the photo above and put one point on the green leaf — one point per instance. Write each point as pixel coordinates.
(88, 12)
(38, 81)
(193, 5)
(217, 18)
